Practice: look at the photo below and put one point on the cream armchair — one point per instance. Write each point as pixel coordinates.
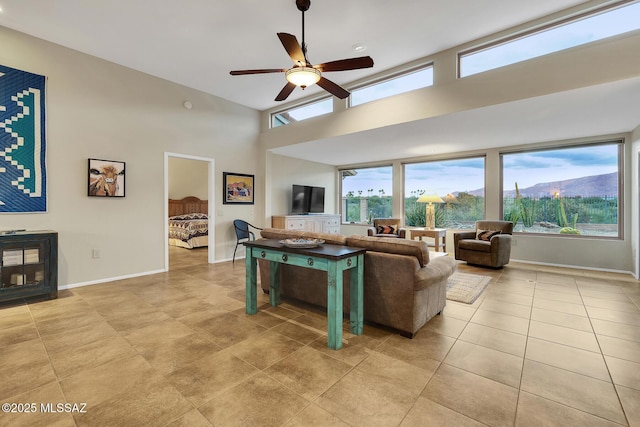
(387, 227)
(489, 245)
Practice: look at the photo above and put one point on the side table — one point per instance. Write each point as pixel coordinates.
(435, 233)
(334, 259)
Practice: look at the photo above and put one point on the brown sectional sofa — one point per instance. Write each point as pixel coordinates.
(403, 288)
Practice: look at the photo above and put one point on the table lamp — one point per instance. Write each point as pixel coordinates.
(430, 199)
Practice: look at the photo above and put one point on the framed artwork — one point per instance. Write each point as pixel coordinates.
(23, 169)
(238, 188)
(106, 178)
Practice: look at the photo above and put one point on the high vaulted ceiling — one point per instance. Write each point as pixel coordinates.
(197, 42)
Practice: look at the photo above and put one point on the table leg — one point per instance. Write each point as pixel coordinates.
(274, 283)
(334, 306)
(436, 239)
(357, 296)
(251, 290)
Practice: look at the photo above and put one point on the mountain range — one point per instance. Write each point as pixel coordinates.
(605, 185)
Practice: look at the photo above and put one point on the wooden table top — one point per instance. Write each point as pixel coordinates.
(323, 251)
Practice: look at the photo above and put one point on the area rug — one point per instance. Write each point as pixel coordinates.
(465, 287)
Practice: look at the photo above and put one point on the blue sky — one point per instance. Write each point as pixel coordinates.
(532, 168)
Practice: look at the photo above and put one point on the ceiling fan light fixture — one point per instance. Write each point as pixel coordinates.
(303, 76)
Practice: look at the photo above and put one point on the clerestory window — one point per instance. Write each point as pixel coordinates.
(575, 31)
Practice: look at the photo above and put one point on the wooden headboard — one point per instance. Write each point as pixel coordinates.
(188, 205)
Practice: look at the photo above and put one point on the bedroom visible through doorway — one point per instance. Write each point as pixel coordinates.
(188, 202)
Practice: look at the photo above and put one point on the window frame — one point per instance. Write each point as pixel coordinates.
(619, 141)
(482, 156)
(389, 78)
(343, 215)
(536, 30)
(301, 105)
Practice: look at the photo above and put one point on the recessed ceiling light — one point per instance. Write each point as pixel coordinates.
(359, 47)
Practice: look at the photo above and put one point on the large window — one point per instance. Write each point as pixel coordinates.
(458, 183)
(366, 194)
(302, 113)
(581, 30)
(572, 191)
(393, 86)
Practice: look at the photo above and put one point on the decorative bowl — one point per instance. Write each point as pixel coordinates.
(302, 243)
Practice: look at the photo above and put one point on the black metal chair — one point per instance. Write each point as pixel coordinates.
(243, 233)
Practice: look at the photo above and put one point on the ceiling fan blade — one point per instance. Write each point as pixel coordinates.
(291, 45)
(333, 88)
(346, 64)
(285, 92)
(264, 71)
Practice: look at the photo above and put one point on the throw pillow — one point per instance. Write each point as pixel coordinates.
(386, 229)
(486, 235)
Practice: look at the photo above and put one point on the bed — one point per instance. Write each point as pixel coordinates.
(188, 222)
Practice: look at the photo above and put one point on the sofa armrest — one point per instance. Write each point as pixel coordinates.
(500, 249)
(402, 233)
(437, 270)
(501, 239)
(460, 235)
(371, 231)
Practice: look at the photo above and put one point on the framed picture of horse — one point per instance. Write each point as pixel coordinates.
(238, 188)
(106, 178)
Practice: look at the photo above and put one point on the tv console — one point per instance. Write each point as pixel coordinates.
(318, 223)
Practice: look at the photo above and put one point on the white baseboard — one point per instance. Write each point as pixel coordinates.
(109, 279)
(577, 267)
(129, 276)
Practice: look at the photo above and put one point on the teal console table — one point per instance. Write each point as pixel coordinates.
(334, 259)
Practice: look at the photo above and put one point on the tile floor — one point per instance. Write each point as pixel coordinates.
(542, 346)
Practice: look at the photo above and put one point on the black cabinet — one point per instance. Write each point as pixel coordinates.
(28, 265)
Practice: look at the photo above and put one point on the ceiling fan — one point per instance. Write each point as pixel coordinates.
(303, 73)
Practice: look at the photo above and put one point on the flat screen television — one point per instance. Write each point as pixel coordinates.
(306, 199)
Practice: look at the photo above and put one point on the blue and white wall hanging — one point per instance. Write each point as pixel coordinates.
(23, 176)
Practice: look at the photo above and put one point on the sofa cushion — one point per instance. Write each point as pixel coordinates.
(330, 238)
(387, 229)
(505, 227)
(280, 234)
(475, 245)
(486, 235)
(415, 248)
(391, 236)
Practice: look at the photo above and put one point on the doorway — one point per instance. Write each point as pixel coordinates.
(210, 191)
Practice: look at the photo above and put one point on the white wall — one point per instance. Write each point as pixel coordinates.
(634, 180)
(188, 178)
(97, 109)
(282, 172)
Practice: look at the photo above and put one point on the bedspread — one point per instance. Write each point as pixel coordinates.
(189, 230)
